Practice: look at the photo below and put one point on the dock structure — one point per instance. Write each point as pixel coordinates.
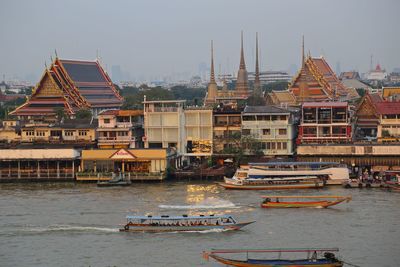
(19, 165)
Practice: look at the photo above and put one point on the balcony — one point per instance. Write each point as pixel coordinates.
(118, 139)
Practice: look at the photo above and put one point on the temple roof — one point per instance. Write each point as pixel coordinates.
(71, 85)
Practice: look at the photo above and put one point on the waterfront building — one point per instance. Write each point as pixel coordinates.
(134, 164)
(120, 129)
(270, 126)
(198, 132)
(164, 122)
(366, 119)
(70, 85)
(69, 132)
(226, 130)
(325, 122)
(316, 81)
(38, 164)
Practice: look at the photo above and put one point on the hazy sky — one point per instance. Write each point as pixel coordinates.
(152, 38)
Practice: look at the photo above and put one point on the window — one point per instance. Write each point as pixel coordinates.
(30, 133)
(82, 132)
(69, 133)
(246, 132)
(282, 117)
(40, 133)
(278, 145)
(249, 118)
(282, 131)
(273, 145)
(266, 131)
(106, 121)
(284, 146)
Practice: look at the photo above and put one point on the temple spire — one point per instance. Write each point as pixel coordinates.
(212, 73)
(241, 82)
(242, 63)
(257, 84)
(302, 53)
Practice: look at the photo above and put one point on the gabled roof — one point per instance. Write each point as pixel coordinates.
(325, 104)
(279, 97)
(71, 85)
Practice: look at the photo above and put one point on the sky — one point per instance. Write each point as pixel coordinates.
(155, 38)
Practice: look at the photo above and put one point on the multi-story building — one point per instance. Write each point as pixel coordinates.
(325, 122)
(120, 129)
(9, 132)
(198, 131)
(227, 129)
(270, 126)
(164, 124)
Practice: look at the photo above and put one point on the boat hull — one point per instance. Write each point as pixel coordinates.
(197, 228)
(274, 263)
(272, 186)
(306, 204)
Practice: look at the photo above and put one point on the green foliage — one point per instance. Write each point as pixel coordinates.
(193, 96)
(10, 106)
(360, 91)
(275, 86)
(385, 133)
(83, 114)
(60, 114)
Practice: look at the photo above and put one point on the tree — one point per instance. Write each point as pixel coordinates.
(275, 86)
(83, 114)
(254, 100)
(60, 114)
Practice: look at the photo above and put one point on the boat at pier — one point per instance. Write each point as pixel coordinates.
(330, 172)
(303, 201)
(272, 184)
(318, 257)
(182, 223)
(116, 181)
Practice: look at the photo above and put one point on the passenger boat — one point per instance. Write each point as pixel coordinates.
(330, 172)
(182, 223)
(319, 257)
(308, 202)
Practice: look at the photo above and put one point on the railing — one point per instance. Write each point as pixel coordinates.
(42, 174)
(105, 176)
(165, 109)
(116, 139)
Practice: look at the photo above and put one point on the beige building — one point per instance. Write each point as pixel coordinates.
(272, 127)
(198, 131)
(164, 124)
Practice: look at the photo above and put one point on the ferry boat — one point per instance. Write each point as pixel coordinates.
(330, 172)
(302, 201)
(182, 223)
(272, 184)
(318, 257)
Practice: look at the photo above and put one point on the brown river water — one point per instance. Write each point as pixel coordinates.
(69, 224)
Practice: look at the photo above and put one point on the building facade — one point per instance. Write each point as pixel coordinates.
(271, 127)
(120, 129)
(227, 130)
(325, 122)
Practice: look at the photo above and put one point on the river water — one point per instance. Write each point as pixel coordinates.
(69, 224)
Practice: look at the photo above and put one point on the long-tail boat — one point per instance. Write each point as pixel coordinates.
(184, 223)
(272, 184)
(319, 257)
(298, 202)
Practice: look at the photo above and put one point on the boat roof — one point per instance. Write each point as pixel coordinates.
(280, 163)
(273, 250)
(166, 217)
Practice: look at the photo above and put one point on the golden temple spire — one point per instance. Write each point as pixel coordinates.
(212, 74)
(242, 63)
(257, 83)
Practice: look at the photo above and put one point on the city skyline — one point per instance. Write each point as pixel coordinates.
(144, 40)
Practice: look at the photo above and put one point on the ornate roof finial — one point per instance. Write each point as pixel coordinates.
(257, 84)
(55, 52)
(242, 63)
(212, 74)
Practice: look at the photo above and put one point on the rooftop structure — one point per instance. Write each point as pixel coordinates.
(70, 85)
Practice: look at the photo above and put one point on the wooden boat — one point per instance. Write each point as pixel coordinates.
(311, 201)
(276, 185)
(314, 258)
(182, 223)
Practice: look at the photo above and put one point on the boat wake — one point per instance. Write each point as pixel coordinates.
(208, 203)
(70, 228)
